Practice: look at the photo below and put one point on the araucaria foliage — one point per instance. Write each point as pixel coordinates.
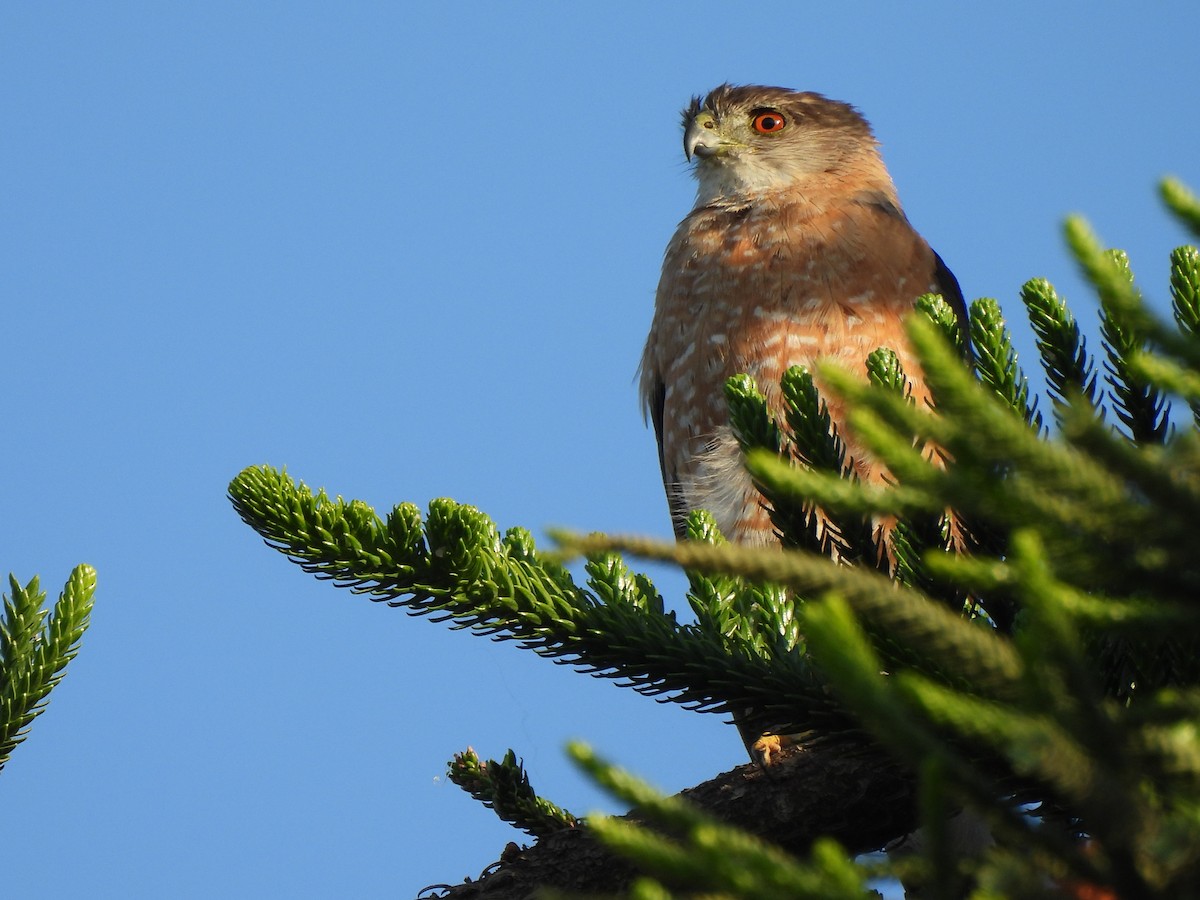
(1016, 615)
(35, 648)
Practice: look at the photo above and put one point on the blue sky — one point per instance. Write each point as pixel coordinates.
(411, 253)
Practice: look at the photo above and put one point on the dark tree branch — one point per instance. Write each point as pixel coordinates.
(840, 789)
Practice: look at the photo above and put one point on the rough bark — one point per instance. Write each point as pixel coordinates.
(848, 791)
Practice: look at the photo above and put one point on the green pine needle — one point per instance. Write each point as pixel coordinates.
(814, 436)
(1185, 303)
(35, 647)
(752, 424)
(1185, 289)
(885, 370)
(996, 361)
(709, 855)
(1180, 199)
(504, 787)
(941, 313)
(1126, 326)
(463, 571)
(1069, 368)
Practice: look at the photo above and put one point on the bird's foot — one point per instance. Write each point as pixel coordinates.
(769, 748)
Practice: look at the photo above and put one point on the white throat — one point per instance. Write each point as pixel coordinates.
(738, 179)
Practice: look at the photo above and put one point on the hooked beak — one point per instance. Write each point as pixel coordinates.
(702, 137)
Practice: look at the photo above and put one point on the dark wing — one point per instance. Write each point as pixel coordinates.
(655, 395)
(947, 286)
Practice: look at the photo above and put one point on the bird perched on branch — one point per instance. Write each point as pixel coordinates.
(797, 250)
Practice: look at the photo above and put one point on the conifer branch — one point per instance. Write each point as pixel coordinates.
(756, 429)
(917, 631)
(940, 313)
(815, 437)
(1168, 376)
(1126, 326)
(707, 854)
(35, 647)
(1180, 199)
(982, 436)
(1185, 304)
(885, 370)
(504, 787)
(1070, 371)
(889, 706)
(1185, 289)
(460, 569)
(813, 442)
(996, 361)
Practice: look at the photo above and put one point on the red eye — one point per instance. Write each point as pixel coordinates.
(769, 123)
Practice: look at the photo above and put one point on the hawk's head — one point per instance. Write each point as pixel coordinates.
(750, 139)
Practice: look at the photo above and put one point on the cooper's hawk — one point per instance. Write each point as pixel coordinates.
(797, 250)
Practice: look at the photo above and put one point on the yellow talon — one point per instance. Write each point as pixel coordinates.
(770, 747)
